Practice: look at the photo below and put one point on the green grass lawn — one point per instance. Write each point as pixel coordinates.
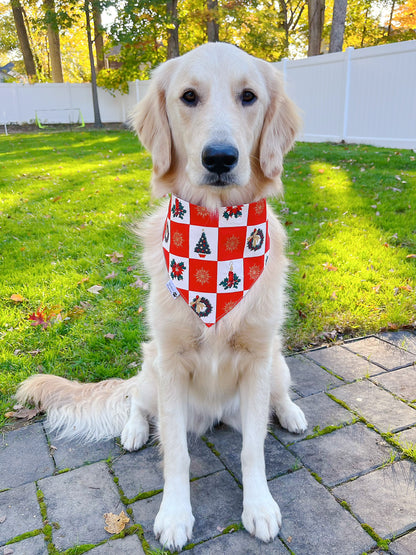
(66, 202)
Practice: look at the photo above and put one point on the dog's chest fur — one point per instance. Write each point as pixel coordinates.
(215, 357)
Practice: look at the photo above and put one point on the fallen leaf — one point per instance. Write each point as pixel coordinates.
(140, 309)
(330, 267)
(111, 276)
(95, 289)
(109, 335)
(2, 519)
(411, 256)
(17, 298)
(139, 284)
(75, 312)
(115, 523)
(39, 318)
(8, 550)
(115, 257)
(83, 280)
(406, 288)
(23, 413)
(377, 287)
(56, 199)
(46, 317)
(133, 365)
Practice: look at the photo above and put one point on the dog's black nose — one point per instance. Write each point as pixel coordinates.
(219, 159)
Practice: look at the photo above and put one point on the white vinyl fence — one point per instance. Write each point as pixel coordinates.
(65, 103)
(363, 96)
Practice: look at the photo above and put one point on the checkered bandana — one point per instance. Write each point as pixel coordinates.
(214, 258)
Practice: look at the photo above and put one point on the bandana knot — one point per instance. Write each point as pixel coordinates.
(214, 258)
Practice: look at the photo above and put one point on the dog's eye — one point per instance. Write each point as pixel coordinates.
(190, 97)
(248, 97)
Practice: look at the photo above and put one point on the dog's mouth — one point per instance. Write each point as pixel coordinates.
(219, 180)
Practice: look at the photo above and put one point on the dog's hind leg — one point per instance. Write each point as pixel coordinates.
(289, 414)
(143, 404)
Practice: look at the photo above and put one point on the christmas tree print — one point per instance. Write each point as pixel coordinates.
(233, 212)
(202, 247)
(177, 269)
(201, 306)
(231, 281)
(178, 210)
(255, 241)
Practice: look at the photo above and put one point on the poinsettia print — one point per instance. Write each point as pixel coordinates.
(177, 269)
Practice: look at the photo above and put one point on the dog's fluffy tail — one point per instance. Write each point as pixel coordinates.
(84, 411)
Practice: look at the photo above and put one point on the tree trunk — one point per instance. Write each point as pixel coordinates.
(53, 40)
(316, 12)
(393, 5)
(97, 115)
(99, 39)
(285, 24)
(173, 38)
(23, 40)
(213, 28)
(338, 25)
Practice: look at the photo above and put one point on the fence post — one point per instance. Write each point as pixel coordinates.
(285, 70)
(348, 53)
(137, 90)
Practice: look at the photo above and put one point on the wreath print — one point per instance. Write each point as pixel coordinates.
(256, 239)
(166, 234)
(201, 306)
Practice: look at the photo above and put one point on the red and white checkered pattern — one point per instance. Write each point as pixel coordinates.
(213, 259)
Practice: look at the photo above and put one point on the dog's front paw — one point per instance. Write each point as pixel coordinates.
(173, 526)
(292, 418)
(135, 434)
(262, 518)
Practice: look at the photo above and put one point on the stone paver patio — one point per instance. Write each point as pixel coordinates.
(346, 487)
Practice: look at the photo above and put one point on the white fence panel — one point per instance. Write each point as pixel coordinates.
(383, 96)
(61, 102)
(360, 96)
(363, 96)
(317, 86)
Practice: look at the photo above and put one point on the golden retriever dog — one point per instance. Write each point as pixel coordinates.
(218, 123)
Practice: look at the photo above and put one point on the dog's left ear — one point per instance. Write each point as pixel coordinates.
(280, 127)
(151, 124)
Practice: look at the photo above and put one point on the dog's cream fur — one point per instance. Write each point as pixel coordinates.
(194, 376)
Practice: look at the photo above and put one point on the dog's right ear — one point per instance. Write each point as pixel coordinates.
(151, 124)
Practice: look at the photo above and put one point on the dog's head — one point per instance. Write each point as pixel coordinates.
(218, 123)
